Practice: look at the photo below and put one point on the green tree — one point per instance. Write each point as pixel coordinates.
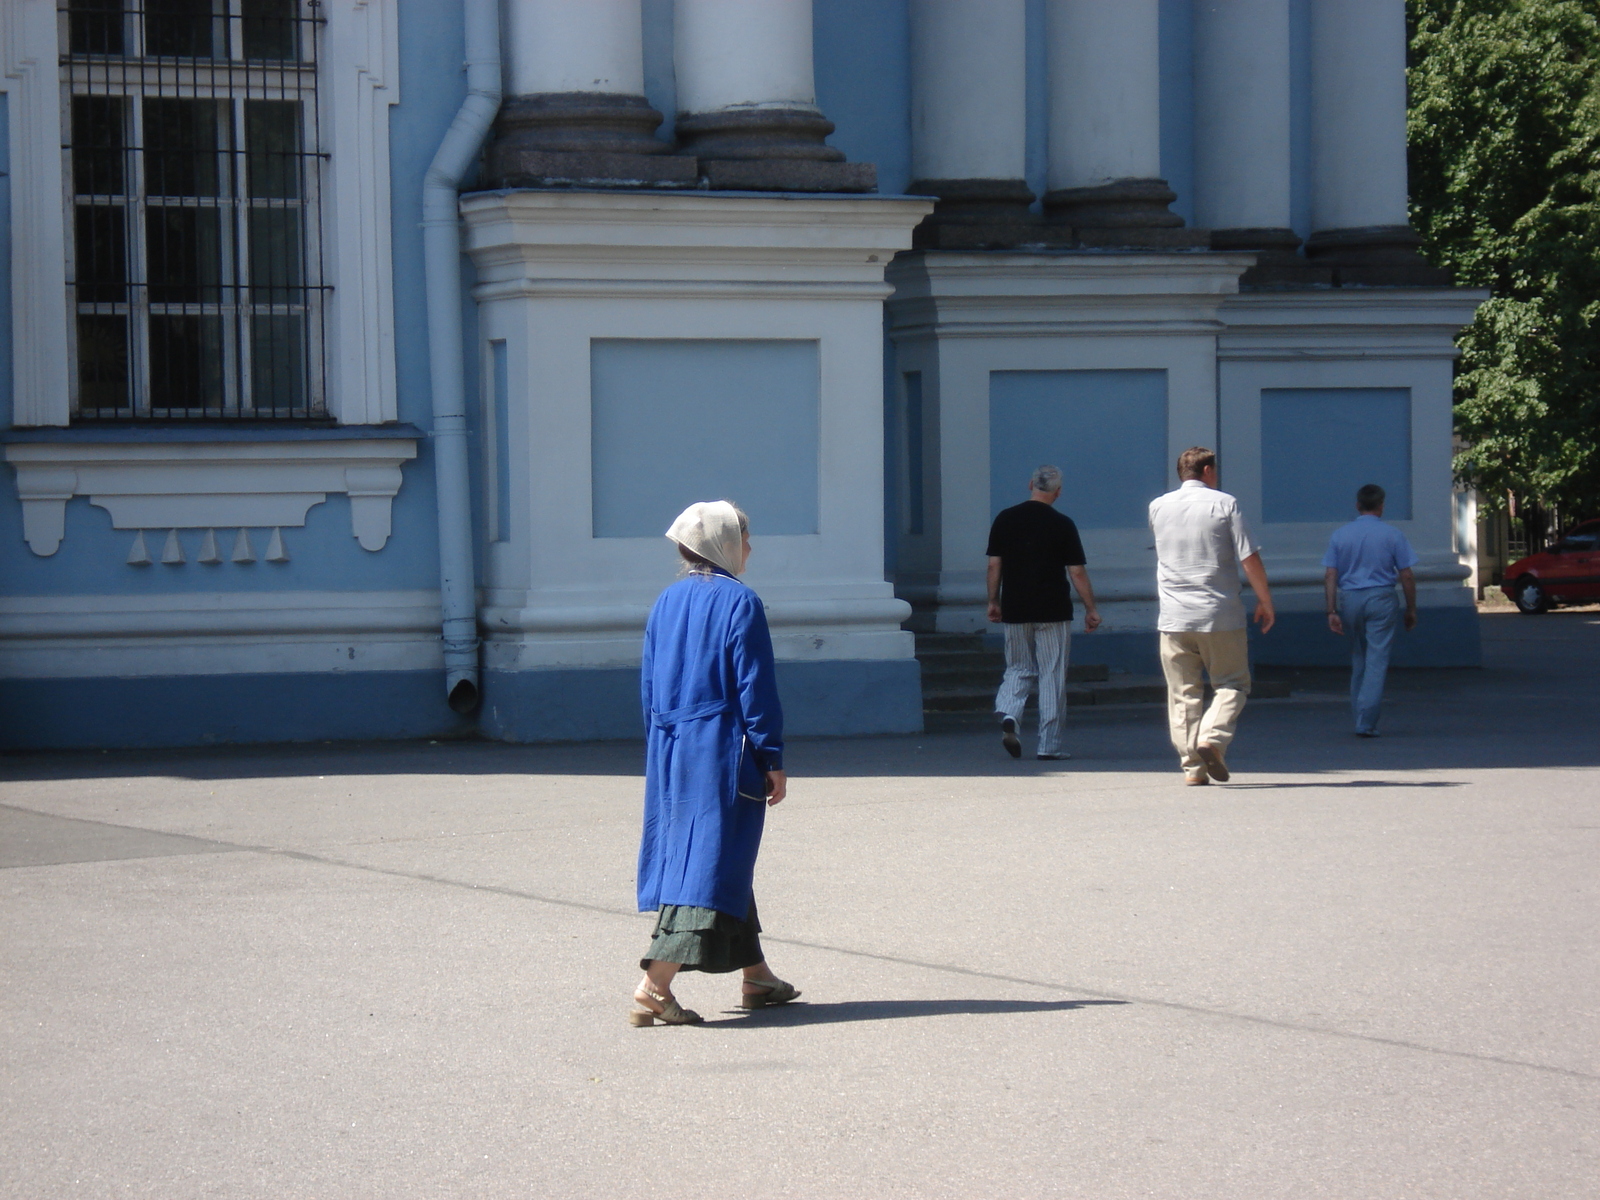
(1505, 184)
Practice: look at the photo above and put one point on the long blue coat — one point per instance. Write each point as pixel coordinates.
(713, 728)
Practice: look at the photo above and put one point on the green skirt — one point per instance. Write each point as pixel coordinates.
(703, 939)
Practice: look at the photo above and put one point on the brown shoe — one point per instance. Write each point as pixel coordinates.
(1212, 757)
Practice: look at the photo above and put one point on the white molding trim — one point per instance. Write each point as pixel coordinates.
(31, 78)
(207, 485)
(359, 81)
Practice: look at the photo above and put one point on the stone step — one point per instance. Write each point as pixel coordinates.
(938, 677)
(1124, 689)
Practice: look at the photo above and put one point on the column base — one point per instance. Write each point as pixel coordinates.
(585, 139)
(770, 150)
(1126, 214)
(983, 214)
(1278, 263)
(1375, 256)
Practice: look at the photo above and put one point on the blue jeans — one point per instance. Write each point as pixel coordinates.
(1371, 616)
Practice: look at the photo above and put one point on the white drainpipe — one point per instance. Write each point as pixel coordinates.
(441, 244)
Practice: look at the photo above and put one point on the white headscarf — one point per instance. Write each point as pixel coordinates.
(711, 530)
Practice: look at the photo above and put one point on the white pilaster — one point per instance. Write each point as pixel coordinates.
(1105, 91)
(1241, 114)
(743, 54)
(968, 89)
(1358, 114)
(568, 46)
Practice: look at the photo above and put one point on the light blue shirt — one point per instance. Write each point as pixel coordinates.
(1368, 554)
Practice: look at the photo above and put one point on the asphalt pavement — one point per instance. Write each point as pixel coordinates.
(1360, 969)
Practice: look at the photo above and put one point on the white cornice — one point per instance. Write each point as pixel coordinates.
(1346, 323)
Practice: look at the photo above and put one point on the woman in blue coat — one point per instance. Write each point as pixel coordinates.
(713, 765)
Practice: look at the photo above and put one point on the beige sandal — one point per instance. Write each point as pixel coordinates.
(778, 992)
(672, 1013)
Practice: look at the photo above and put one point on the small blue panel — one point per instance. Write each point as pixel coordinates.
(674, 422)
(5, 261)
(1105, 430)
(502, 442)
(1318, 445)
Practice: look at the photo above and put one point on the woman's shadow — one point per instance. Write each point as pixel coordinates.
(802, 1013)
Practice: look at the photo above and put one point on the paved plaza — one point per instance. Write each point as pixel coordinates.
(1362, 969)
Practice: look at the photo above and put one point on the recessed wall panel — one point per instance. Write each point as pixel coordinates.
(1318, 445)
(1105, 430)
(674, 421)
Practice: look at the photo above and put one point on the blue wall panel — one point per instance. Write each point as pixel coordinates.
(1106, 430)
(1318, 445)
(675, 421)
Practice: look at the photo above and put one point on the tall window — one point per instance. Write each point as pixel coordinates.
(195, 263)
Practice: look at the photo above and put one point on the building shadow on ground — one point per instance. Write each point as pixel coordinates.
(1530, 705)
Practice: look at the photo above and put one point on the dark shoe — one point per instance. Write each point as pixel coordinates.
(1366, 733)
(1051, 757)
(1008, 737)
(1212, 757)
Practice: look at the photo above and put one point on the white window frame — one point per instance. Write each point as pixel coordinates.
(359, 81)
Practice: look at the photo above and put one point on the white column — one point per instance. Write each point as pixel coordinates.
(1358, 114)
(573, 46)
(968, 89)
(1241, 114)
(1105, 91)
(747, 101)
(574, 111)
(743, 53)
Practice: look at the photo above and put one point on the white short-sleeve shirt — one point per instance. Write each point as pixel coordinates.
(1200, 541)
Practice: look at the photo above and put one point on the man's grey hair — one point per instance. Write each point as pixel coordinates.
(1045, 479)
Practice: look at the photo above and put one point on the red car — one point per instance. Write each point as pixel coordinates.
(1567, 573)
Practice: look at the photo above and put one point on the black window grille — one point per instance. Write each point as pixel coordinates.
(193, 168)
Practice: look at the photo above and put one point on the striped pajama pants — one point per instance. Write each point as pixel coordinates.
(1036, 656)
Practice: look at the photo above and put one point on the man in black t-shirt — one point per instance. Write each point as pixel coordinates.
(1032, 550)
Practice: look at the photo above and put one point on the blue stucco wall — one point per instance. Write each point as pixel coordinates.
(675, 421)
(834, 697)
(1177, 103)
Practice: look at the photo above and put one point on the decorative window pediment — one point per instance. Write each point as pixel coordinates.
(215, 485)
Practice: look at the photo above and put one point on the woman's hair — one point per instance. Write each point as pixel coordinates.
(693, 564)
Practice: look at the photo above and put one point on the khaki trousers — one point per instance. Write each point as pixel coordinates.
(1186, 660)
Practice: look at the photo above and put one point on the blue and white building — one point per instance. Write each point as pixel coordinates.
(354, 355)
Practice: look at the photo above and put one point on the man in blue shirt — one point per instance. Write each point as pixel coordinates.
(1364, 560)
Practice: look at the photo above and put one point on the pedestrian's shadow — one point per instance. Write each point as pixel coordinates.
(890, 1010)
(1351, 783)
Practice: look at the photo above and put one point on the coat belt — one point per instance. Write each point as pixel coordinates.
(690, 712)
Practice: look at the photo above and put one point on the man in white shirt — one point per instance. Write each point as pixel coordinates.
(1201, 543)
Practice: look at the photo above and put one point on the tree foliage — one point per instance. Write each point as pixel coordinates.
(1505, 185)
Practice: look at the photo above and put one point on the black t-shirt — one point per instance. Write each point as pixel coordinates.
(1035, 545)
